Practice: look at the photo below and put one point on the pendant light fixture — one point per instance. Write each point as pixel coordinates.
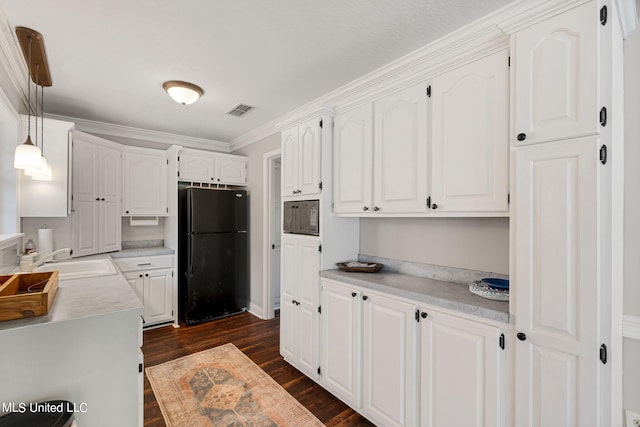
(44, 173)
(184, 93)
(27, 155)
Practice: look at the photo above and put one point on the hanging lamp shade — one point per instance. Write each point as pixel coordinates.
(43, 175)
(183, 92)
(38, 170)
(27, 156)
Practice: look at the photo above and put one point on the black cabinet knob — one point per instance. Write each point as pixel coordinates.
(365, 208)
(364, 297)
(424, 314)
(102, 199)
(126, 211)
(97, 199)
(218, 179)
(353, 294)
(521, 136)
(147, 275)
(376, 209)
(434, 206)
(141, 275)
(521, 336)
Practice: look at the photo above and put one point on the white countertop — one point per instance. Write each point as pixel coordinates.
(453, 296)
(78, 298)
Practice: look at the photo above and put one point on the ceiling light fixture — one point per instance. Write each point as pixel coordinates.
(27, 155)
(45, 173)
(184, 93)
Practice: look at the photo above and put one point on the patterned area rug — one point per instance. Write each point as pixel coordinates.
(223, 387)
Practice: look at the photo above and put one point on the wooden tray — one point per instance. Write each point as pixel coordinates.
(27, 295)
(373, 269)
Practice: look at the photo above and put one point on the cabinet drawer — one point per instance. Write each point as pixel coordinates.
(144, 263)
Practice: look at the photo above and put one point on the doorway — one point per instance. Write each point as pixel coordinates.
(271, 228)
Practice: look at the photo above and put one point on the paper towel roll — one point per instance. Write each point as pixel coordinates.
(45, 241)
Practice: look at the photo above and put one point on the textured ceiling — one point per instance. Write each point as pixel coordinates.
(108, 59)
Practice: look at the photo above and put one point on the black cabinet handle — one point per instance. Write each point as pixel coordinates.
(376, 209)
(521, 336)
(141, 275)
(353, 294)
(521, 136)
(365, 208)
(424, 314)
(102, 199)
(126, 211)
(97, 199)
(434, 206)
(364, 297)
(147, 275)
(218, 179)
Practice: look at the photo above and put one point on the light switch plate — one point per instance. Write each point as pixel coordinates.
(633, 419)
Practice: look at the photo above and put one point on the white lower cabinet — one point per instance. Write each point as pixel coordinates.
(369, 353)
(402, 366)
(151, 278)
(462, 365)
(299, 317)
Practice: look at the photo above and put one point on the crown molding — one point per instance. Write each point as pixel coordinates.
(305, 113)
(12, 62)
(109, 129)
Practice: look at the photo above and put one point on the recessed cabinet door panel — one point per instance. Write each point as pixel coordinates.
(307, 287)
(157, 296)
(197, 168)
(341, 325)
(352, 164)
(388, 360)
(289, 177)
(86, 227)
(400, 151)
(85, 170)
(110, 226)
(555, 69)
(557, 276)
(145, 184)
(309, 157)
(231, 171)
(470, 146)
(288, 279)
(460, 372)
(110, 174)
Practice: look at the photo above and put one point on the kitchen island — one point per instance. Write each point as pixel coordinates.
(86, 351)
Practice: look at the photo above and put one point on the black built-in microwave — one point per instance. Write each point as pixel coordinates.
(301, 217)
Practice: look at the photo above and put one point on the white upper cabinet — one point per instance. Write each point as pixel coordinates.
(555, 69)
(558, 375)
(353, 160)
(400, 151)
(301, 159)
(214, 168)
(470, 145)
(145, 182)
(48, 198)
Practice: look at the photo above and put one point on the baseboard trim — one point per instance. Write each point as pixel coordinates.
(256, 310)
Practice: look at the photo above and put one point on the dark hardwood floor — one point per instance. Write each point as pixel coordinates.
(258, 339)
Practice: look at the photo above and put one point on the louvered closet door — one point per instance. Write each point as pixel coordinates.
(557, 284)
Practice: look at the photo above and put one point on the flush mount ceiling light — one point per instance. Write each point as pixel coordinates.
(183, 92)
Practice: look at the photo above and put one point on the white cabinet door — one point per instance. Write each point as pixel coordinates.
(231, 170)
(299, 323)
(353, 161)
(196, 166)
(48, 198)
(290, 163)
(555, 67)
(110, 193)
(157, 296)
(145, 183)
(136, 281)
(86, 206)
(461, 368)
(470, 144)
(86, 228)
(389, 352)
(558, 373)
(400, 151)
(341, 332)
(309, 160)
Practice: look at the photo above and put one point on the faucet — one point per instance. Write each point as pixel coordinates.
(43, 259)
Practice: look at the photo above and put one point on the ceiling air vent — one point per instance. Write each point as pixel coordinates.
(240, 110)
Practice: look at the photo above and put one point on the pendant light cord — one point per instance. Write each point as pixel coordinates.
(29, 92)
(36, 112)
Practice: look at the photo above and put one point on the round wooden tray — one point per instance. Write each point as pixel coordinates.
(373, 269)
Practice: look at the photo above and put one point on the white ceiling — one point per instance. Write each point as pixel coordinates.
(108, 59)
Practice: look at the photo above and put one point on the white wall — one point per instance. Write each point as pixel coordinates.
(146, 232)
(255, 153)
(8, 176)
(471, 243)
(631, 296)
(62, 237)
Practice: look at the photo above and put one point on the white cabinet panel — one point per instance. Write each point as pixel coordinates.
(555, 67)
(158, 296)
(301, 151)
(210, 167)
(389, 351)
(231, 170)
(353, 160)
(461, 372)
(470, 145)
(300, 293)
(557, 294)
(195, 167)
(145, 182)
(290, 163)
(400, 151)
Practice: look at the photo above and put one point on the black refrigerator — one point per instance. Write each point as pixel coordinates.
(213, 253)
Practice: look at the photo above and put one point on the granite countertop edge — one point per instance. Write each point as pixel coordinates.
(449, 295)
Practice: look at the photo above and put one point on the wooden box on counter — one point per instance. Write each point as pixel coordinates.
(27, 294)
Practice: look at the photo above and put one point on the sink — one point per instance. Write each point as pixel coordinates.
(80, 269)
